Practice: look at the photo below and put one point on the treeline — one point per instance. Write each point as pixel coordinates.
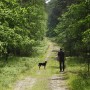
(22, 26)
(72, 26)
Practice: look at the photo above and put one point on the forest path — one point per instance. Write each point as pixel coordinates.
(57, 81)
(48, 79)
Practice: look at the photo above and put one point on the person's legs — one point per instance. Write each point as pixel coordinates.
(60, 66)
(63, 65)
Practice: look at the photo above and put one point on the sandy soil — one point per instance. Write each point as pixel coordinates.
(28, 82)
(58, 82)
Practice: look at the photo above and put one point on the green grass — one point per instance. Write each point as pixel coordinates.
(42, 84)
(15, 69)
(78, 77)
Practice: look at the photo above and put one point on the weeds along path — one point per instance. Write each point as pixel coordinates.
(45, 79)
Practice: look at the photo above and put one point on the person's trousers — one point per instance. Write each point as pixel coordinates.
(62, 66)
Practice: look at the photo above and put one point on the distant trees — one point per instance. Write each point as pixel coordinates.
(22, 26)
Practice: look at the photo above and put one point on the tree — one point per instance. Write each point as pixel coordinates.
(21, 24)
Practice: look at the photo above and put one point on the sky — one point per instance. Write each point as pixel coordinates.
(48, 1)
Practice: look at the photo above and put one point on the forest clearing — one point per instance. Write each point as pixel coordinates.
(35, 31)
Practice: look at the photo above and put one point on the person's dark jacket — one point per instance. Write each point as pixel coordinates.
(61, 55)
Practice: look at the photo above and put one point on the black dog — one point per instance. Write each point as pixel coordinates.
(42, 64)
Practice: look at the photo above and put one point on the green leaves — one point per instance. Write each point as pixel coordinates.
(86, 36)
(20, 25)
(73, 28)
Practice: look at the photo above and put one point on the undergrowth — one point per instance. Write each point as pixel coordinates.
(78, 77)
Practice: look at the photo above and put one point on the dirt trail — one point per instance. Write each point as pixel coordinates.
(50, 47)
(56, 82)
(24, 84)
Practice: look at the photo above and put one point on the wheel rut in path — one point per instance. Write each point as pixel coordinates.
(58, 82)
(24, 84)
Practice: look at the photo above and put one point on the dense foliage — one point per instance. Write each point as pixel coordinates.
(73, 30)
(22, 26)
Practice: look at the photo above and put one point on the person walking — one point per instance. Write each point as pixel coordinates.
(61, 60)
